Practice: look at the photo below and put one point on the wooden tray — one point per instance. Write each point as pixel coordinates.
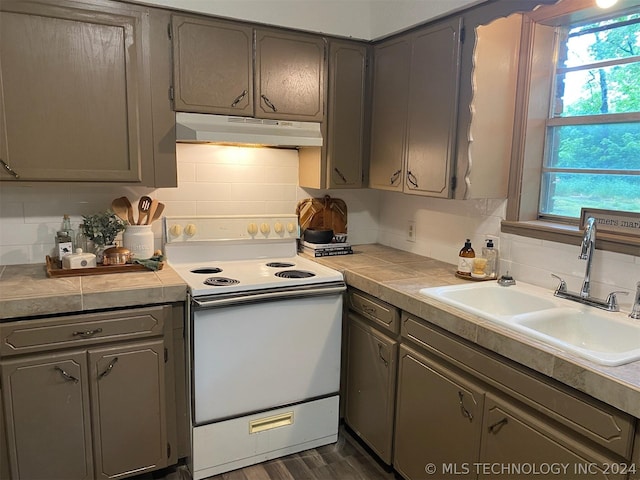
(53, 270)
(473, 279)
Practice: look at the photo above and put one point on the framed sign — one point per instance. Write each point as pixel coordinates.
(613, 221)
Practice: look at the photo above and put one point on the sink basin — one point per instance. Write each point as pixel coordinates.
(492, 301)
(605, 338)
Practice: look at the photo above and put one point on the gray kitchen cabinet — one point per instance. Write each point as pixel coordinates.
(372, 352)
(76, 104)
(438, 418)
(390, 96)
(85, 395)
(213, 66)
(341, 163)
(290, 75)
(371, 378)
(415, 103)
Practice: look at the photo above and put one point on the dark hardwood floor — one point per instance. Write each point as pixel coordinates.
(345, 460)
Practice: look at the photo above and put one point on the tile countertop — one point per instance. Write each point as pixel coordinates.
(396, 276)
(25, 290)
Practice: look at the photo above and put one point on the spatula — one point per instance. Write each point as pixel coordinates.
(152, 211)
(143, 208)
(157, 214)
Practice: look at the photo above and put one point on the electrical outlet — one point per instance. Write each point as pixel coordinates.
(411, 231)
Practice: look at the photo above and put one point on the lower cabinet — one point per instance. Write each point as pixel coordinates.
(371, 379)
(96, 409)
(439, 419)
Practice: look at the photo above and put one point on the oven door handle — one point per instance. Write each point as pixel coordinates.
(265, 295)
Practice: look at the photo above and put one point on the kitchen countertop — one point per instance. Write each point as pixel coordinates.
(396, 277)
(392, 275)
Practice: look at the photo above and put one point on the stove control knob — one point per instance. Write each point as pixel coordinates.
(175, 230)
(190, 230)
(291, 227)
(265, 228)
(252, 229)
(278, 228)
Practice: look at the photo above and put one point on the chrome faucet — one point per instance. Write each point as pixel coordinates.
(586, 253)
(635, 311)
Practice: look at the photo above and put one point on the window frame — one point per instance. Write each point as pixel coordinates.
(534, 91)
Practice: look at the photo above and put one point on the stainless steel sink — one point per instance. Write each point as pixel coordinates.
(605, 338)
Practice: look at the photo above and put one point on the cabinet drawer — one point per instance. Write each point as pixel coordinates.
(597, 421)
(382, 314)
(27, 336)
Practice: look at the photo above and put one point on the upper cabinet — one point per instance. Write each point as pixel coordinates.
(213, 66)
(76, 105)
(415, 103)
(290, 76)
(214, 70)
(341, 161)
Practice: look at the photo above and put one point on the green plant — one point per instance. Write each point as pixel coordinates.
(102, 228)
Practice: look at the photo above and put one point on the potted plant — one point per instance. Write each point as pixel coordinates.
(102, 229)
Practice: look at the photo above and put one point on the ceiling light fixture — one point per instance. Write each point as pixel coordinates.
(606, 3)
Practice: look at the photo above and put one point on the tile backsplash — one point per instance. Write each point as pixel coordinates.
(217, 180)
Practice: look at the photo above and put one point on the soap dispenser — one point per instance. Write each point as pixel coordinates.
(491, 254)
(465, 259)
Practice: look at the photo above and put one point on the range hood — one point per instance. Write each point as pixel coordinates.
(222, 129)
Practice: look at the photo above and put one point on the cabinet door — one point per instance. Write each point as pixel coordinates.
(290, 76)
(513, 437)
(346, 123)
(47, 417)
(213, 66)
(75, 104)
(389, 113)
(128, 403)
(433, 106)
(371, 378)
(438, 419)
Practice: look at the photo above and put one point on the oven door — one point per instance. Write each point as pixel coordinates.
(251, 354)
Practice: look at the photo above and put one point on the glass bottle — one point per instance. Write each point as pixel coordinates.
(491, 254)
(465, 259)
(65, 238)
(81, 239)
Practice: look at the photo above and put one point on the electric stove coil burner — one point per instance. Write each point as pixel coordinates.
(280, 264)
(208, 270)
(221, 281)
(295, 274)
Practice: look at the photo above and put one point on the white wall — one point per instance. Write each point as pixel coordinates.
(361, 19)
(443, 225)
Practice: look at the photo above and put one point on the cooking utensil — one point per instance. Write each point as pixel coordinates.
(317, 235)
(158, 212)
(143, 208)
(152, 211)
(121, 207)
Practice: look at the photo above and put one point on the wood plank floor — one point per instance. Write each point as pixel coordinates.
(345, 460)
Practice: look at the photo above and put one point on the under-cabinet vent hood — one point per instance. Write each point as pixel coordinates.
(196, 127)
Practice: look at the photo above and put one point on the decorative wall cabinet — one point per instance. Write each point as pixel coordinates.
(414, 118)
(77, 104)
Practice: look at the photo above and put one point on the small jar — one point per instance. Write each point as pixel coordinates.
(138, 239)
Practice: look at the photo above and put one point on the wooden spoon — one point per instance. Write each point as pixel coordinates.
(143, 208)
(152, 211)
(158, 213)
(120, 207)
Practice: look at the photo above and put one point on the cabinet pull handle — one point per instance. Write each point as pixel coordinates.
(239, 98)
(369, 310)
(386, 363)
(495, 428)
(465, 413)
(344, 179)
(87, 333)
(12, 172)
(395, 176)
(107, 370)
(411, 178)
(269, 104)
(65, 375)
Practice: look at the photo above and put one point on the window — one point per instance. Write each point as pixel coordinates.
(592, 146)
(577, 130)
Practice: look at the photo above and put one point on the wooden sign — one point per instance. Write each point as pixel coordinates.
(613, 221)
